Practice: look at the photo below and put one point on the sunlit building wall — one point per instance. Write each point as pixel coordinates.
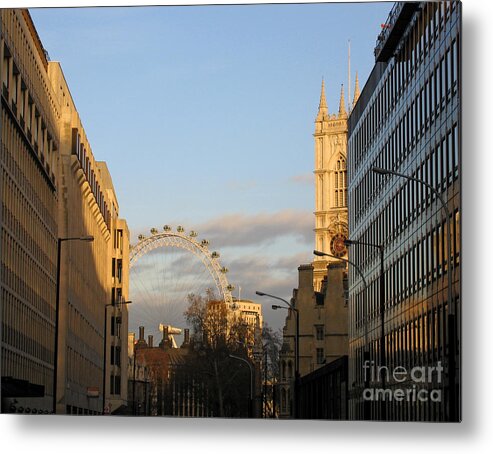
(28, 217)
(407, 120)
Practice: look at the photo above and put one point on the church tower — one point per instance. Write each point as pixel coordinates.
(331, 212)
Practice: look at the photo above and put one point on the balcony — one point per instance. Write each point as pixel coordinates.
(393, 29)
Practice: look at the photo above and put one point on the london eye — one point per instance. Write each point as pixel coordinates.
(165, 268)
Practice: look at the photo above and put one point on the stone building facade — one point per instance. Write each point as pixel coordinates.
(28, 217)
(52, 187)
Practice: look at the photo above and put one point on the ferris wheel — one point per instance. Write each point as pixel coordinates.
(166, 267)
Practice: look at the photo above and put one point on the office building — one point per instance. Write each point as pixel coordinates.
(28, 217)
(53, 188)
(94, 278)
(407, 120)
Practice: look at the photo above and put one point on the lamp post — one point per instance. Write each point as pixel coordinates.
(452, 320)
(104, 340)
(366, 353)
(250, 409)
(296, 346)
(383, 358)
(57, 307)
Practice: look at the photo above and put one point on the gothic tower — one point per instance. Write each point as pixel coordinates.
(331, 212)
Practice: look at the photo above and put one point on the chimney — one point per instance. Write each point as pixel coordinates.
(164, 343)
(141, 342)
(186, 338)
(150, 339)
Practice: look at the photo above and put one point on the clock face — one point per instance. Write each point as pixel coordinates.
(337, 246)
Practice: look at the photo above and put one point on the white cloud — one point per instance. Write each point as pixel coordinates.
(302, 179)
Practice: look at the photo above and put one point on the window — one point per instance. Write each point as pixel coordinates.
(320, 356)
(319, 329)
(340, 183)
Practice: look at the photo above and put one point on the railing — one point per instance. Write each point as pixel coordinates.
(387, 27)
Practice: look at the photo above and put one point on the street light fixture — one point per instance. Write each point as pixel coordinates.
(296, 345)
(57, 307)
(118, 304)
(452, 320)
(366, 353)
(383, 358)
(250, 407)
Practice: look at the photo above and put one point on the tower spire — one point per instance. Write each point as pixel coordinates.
(342, 108)
(356, 90)
(323, 111)
(322, 106)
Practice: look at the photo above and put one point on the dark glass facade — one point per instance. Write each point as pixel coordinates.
(407, 120)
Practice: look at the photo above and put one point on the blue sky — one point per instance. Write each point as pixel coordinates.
(205, 117)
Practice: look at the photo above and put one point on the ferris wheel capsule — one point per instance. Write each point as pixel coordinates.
(166, 228)
(224, 270)
(230, 287)
(154, 231)
(215, 255)
(193, 234)
(204, 243)
(180, 229)
(141, 237)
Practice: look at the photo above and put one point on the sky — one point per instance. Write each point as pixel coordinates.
(205, 116)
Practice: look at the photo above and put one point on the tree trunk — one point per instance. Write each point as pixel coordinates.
(219, 390)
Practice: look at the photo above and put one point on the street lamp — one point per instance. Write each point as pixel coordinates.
(104, 338)
(250, 409)
(57, 306)
(383, 359)
(366, 353)
(296, 346)
(452, 321)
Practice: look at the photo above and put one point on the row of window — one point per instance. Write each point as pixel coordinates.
(29, 115)
(83, 332)
(25, 330)
(414, 269)
(82, 153)
(29, 57)
(442, 80)
(419, 341)
(422, 341)
(116, 270)
(401, 142)
(115, 384)
(118, 240)
(24, 278)
(18, 365)
(30, 183)
(81, 370)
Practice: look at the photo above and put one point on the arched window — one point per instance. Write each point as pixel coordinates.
(283, 400)
(340, 188)
(289, 402)
(290, 369)
(283, 370)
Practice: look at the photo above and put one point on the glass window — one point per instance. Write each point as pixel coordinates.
(456, 151)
